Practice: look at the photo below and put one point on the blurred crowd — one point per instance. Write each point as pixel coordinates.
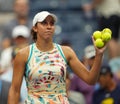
(15, 35)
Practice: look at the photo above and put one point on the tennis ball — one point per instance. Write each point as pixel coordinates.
(97, 34)
(99, 43)
(106, 36)
(107, 30)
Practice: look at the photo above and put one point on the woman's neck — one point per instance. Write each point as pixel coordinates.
(44, 45)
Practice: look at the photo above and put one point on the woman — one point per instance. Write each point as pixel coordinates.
(44, 65)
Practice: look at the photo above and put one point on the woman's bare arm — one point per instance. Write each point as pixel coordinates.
(18, 72)
(77, 66)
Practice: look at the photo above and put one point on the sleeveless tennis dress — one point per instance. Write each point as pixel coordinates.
(45, 76)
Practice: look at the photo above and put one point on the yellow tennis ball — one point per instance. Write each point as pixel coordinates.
(97, 35)
(106, 36)
(107, 30)
(99, 43)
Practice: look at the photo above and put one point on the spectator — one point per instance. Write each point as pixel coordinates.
(6, 43)
(5, 59)
(21, 11)
(109, 92)
(115, 66)
(79, 85)
(20, 35)
(108, 16)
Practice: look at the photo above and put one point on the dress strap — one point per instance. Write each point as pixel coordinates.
(30, 52)
(61, 52)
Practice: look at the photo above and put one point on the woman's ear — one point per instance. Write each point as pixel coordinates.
(34, 28)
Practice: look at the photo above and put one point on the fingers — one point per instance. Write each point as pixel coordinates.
(100, 50)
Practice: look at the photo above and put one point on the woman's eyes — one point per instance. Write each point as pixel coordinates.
(46, 23)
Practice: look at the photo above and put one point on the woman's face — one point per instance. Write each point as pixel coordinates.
(45, 29)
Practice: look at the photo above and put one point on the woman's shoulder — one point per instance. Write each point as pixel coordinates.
(23, 53)
(66, 49)
(24, 50)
